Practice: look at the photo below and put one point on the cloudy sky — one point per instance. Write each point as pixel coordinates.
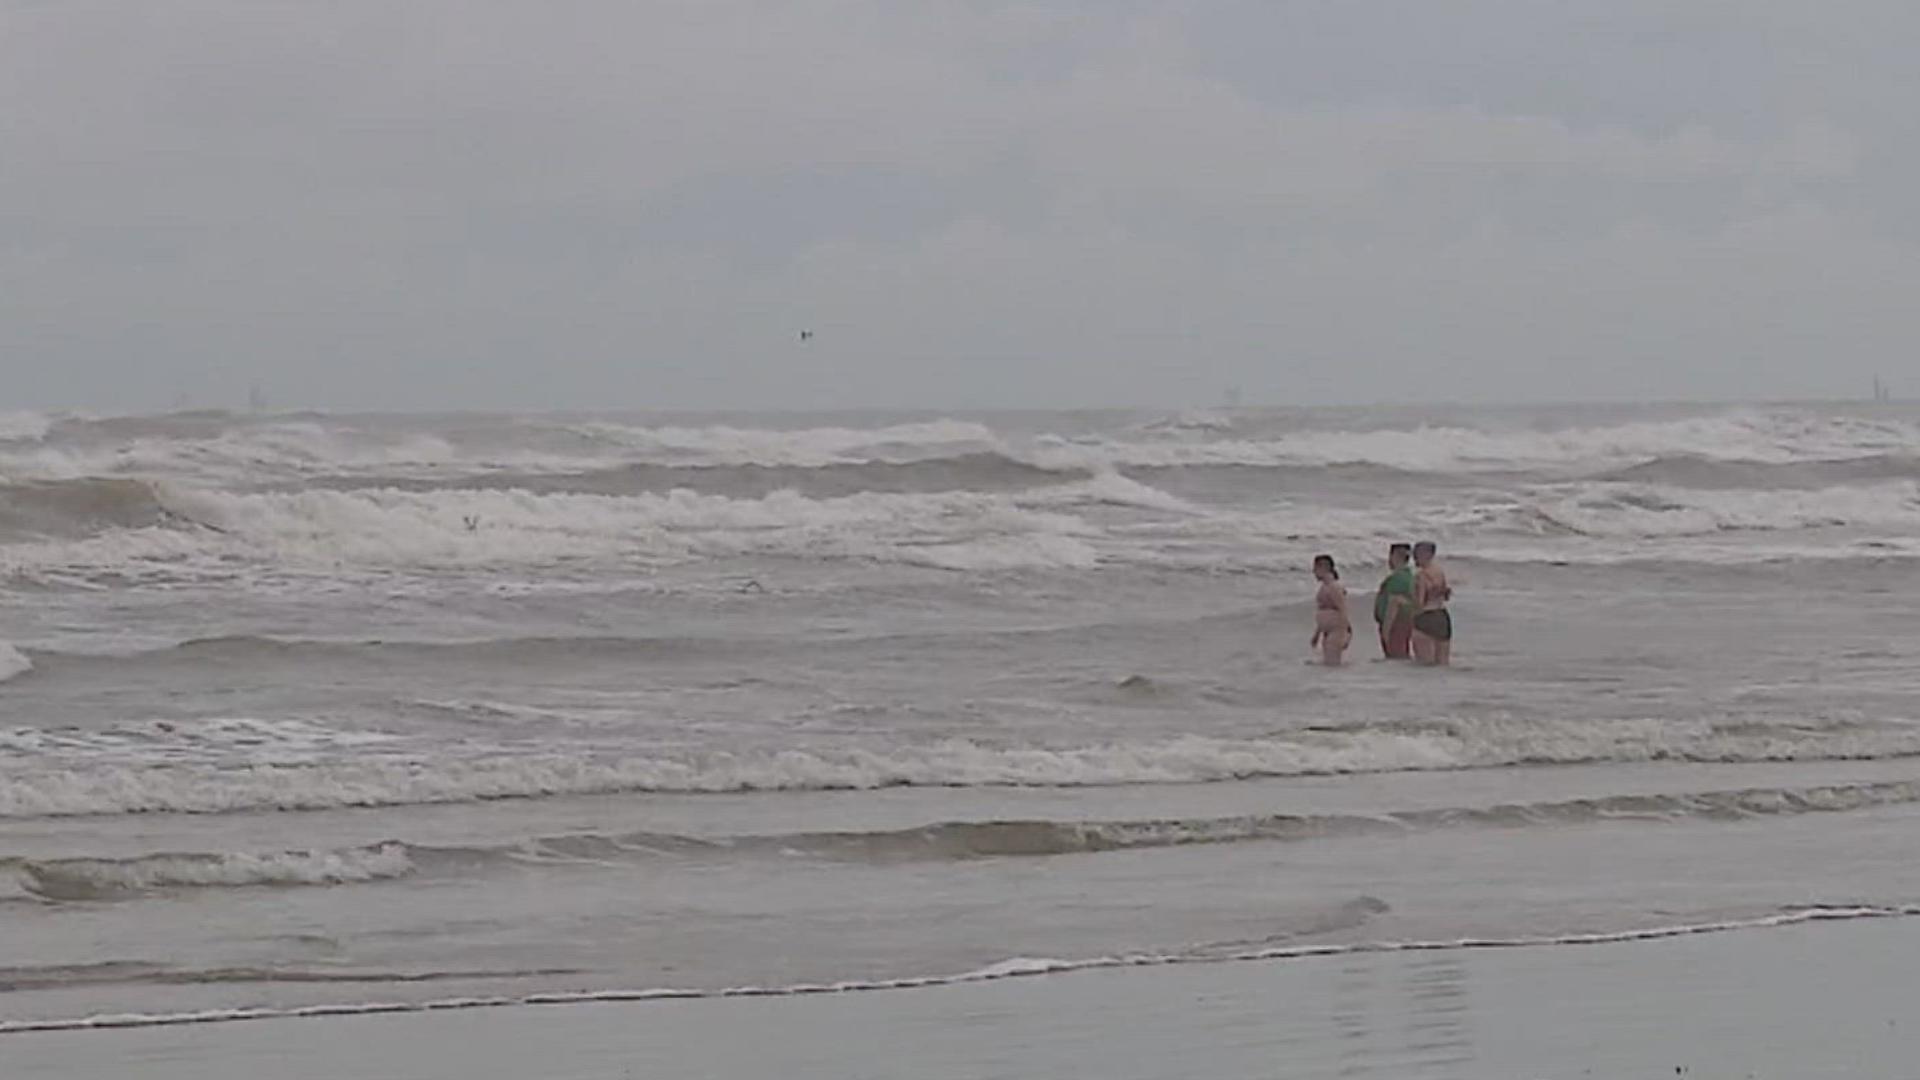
(639, 204)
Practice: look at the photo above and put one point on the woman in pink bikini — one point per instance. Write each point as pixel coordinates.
(1332, 630)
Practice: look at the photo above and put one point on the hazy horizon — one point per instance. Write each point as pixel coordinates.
(970, 207)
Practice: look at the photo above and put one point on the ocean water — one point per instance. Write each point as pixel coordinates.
(324, 713)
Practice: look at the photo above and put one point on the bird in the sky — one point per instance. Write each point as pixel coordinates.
(806, 335)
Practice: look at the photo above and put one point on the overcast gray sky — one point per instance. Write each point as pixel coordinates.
(639, 204)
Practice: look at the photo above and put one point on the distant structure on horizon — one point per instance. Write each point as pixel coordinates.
(1880, 390)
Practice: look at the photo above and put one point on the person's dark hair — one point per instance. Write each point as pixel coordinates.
(1399, 549)
(1425, 547)
(1326, 561)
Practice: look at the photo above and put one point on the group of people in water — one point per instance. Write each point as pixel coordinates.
(1410, 609)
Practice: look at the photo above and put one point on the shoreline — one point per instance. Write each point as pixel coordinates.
(1658, 979)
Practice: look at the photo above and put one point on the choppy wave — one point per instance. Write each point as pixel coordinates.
(471, 528)
(1016, 968)
(1687, 470)
(206, 531)
(95, 879)
(808, 447)
(1634, 511)
(200, 739)
(1776, 438)
(481, 527)
(959, 840)
(990, 472)
(223, 447)
(227, 446)
(391, 777)
(212, 496)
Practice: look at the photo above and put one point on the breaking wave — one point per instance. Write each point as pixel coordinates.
(386, 775)
(990, 472)
(1068, 525)
(74, 508)
(212, 495)
(471, 528)
(109, 879)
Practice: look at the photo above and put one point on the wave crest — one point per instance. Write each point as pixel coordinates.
(106, 879)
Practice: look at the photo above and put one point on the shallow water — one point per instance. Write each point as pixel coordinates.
(318, 711)
(1805, 1001)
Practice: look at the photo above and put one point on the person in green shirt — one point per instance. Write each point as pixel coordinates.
(1393, 604)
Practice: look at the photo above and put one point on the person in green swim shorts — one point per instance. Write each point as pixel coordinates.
(1393, 604)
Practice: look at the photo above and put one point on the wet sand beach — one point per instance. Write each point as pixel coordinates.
(1795, 1003)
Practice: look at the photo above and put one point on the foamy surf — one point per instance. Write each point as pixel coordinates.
(650, 643)
(1013, 968)
(24, 427)
(386, 775)
(184, 533)
(481, 528)
(226, 448)
(13, 662)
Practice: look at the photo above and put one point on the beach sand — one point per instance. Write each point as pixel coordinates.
(1815, 1000)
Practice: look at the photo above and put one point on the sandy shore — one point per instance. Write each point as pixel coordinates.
(1819, 1000)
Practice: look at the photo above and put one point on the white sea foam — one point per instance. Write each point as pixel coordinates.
(236, 782)
(1024, 967)
(1109, 489)
(24, 426)
(472, 528)
(13, 663)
